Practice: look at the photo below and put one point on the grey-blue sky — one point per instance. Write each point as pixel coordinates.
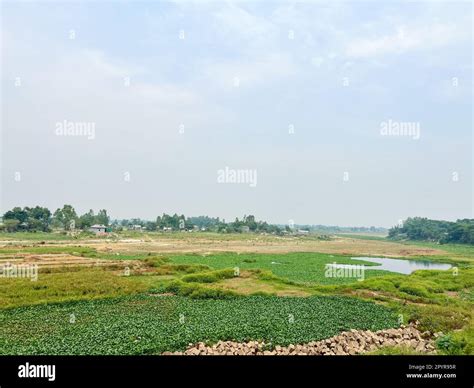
(335, 71)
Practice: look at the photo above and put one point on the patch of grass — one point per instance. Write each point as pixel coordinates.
(395, 351)
(122, 256)
(83, 283)
(156, 261)
(179, 269)
(78, 250)
(196, 290)
(464, 340)
(467, 295)
(437, 318)
(423, 286)
(209, 277)
(34, 236)
(413, 289)
(452, 250)
(252, 285)
(448, 345)
(363, 236)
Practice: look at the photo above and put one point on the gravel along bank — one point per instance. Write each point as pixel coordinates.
(347, 343)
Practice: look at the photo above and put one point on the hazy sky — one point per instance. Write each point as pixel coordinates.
(307, 99)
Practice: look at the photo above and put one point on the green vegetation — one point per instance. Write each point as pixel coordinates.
(33, 236)
(153, 324)
(27, 219)
(50, 249)
(209, 277)
(196, 291)
(423, 229)
(364, 236)
(394, 351)
(454, 252)
(41, 219)
(302, 268)
(76, 284)
(168, 284)
(439, 300)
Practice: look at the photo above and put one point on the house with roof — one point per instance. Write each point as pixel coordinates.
(98, 229)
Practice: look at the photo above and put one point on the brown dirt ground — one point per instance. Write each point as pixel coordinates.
(208, 245)
(347, 246)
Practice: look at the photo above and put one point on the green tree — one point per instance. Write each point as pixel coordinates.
(11, 225)
(65, 217)
(17, 213)
(102, 218)
(87, 220)
(39, 218)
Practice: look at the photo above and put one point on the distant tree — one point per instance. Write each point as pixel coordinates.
(150, 226)
(39, 218)
(204, 222)
(29, 219)
(65, 217)
(17, 213)
(87, 220)
(175, 222)
(461, 232)
(11, 225)
(424, 229)
(251, 223)
(102, 218)
(137, 221)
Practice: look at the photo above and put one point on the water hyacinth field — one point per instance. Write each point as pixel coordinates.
(154, 324)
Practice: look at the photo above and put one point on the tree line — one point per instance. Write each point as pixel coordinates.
(180, 222)
(424, 229)
(32, 219)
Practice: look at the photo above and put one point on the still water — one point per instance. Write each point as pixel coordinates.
(402, 266)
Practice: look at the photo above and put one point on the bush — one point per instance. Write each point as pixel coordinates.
(381, 285)
(168, 269)
(267, 275)
(197, 291)
(414, 290)
(210, 293)
(209, 277)
(439, 318)
(156, 261)
(449, 345)
(465, 339)
(433, 287)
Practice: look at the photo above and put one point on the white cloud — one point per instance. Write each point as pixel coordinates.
(406, 39)
(235, 22)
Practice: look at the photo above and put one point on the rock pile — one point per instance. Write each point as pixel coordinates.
(347, 343)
